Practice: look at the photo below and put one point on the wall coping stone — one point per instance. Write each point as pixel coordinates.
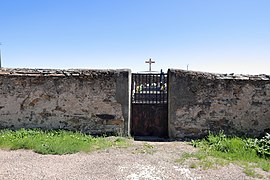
(59, 72)
(231, 76)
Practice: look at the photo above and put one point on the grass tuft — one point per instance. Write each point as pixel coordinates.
(222, 150)
(56, 142)
(252, 173)
(146, 148)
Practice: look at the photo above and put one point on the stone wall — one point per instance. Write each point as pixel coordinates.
(98, 101)
(202, 102)
(91, 101)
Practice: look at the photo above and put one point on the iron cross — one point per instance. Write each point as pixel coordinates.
(150, 62)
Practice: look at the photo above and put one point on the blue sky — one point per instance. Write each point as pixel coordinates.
(223, 36)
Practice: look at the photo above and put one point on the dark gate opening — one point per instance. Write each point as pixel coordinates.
(149, 109)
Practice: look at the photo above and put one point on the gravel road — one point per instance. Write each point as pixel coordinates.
(151, 160)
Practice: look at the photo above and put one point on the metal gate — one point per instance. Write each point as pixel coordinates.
(149, 105)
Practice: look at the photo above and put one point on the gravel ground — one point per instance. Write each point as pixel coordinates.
(156, 160)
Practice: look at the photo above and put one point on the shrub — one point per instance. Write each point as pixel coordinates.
(262, 146)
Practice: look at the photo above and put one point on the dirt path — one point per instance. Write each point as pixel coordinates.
(151, 160)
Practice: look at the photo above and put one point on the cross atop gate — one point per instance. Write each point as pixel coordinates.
(150, 63)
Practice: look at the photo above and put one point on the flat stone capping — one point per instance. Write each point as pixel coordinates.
(60, 72)
(213, 76)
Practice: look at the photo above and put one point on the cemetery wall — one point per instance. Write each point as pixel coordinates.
(202, 102)
(90, 101)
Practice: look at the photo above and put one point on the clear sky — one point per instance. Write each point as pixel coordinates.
(223, 36)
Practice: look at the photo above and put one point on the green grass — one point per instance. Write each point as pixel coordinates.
(201, 160)
(220, 150)
(146, 148)
(252, 173)
(56, 142)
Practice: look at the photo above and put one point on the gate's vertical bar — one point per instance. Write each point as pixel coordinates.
(160, 91)
(138, 91)
(134, 79)
(150, 79)
(150, 88)
(166, 87)
(147, 88)
(149, 92)
(132, 87)
(156, 87)
(142, 80)
(163, 89)
(141, 88)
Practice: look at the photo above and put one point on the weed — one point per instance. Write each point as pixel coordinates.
(262, 146)
(193, 165)
(184, 157)
(252, 173)
(146, 148)
(222, 150)
(55, 142)
(202, 159)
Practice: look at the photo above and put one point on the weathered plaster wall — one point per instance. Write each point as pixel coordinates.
(202, 102)
(91, 101)
(98, 101)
